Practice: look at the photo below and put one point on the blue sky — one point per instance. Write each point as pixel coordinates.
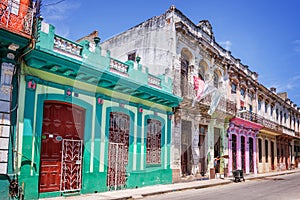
(264, 34)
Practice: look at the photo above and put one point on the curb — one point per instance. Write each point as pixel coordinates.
(228, 181)
(185, 188)
(271, 175)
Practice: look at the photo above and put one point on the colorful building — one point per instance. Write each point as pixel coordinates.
(174, 45)
(16, 20)
(88, 122)
(249, 139)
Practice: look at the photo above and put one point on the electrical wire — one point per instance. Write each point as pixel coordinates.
(52, 4)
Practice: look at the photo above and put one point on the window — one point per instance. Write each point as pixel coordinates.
(280, 117)
(184, 76)
(284, 116)
(243, 92)
(272, 109)
(131, 56)
(202, 133)
(266, 107)
(266, 150)
(233, 88)
(216, 80)
(250, 108)
(250, 95)
(259, 150)
(153, 142)
(277, 116)
(259, 104)
(15, 6)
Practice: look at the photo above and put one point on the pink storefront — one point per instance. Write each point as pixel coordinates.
(242, 147)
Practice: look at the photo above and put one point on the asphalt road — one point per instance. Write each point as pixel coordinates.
(285, 187)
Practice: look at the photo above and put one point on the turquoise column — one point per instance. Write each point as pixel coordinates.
(97, 179)
(139, 137)
(28, 170)
(169, 128)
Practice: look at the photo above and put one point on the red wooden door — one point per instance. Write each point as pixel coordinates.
(60, 121)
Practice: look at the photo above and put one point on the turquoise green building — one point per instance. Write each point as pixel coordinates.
(89, 123)
(16, 20)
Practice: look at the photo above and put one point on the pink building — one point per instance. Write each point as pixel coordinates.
(242, 145)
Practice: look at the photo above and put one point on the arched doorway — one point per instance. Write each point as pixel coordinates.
(272, 156)
(243, 153)
(119, 127)
(61, 147)
(234, 151)
(251, 163)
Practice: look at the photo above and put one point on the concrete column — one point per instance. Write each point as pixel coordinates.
(247, 155)
(210, 142)
(255, 155)
(238, 153)
(275, 156)
(263, 152)
(293, 153)
(230, 154)
(268, 157)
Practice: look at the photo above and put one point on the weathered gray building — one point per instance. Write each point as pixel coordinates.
(173, 45)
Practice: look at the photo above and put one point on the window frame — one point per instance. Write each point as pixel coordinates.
(158, 143)
(233, 88)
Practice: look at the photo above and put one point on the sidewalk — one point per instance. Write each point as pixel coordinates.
(160, 189)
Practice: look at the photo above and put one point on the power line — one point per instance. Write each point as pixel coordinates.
(52, 4)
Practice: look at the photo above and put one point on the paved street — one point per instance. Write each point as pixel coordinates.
(285, 187)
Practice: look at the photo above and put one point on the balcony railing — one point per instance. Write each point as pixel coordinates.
(118, 67)
(225, 105)
(16, 17)
(67, 47)
(230, 107)
(253, 117)
(154, 81)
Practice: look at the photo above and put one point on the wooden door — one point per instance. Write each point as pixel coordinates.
(272, 156)
(251, 152)
(60, 121)
(186, 150)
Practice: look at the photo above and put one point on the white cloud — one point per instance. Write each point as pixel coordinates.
(227, 44)
(297, 46)
(59, 11)
(288, 85)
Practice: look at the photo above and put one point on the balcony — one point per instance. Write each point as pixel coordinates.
(253, 117)
(66, 47)
(225, 105)
(16, 17)
(118, 67)
(154, 81)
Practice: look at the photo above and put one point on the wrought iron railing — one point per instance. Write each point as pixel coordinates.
(288, 131)
(16, 17)
(230, 107)
(225, 105)
(253, 117)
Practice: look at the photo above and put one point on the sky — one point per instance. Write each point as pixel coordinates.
(264, 34)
